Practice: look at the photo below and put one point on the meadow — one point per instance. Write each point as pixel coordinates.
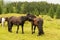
(51, 29)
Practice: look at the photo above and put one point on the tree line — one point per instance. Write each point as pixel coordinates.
(36, 8)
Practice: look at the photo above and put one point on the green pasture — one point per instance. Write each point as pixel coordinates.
(51, 29)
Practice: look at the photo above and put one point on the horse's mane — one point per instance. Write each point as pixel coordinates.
(31, 15)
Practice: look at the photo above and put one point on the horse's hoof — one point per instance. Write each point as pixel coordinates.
(43, 33)
(22, 32)
(10, 31)
(33, 32)
(17, 32)
(38, 35)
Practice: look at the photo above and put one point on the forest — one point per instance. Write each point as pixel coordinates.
(36, 8)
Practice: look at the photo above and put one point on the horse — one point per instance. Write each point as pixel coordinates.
(16, 21)
(2, 20)
(36, 22)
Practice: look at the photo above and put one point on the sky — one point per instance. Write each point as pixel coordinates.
(49, 1)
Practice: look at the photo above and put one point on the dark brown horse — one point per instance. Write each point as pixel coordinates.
(16, 21)
(36, 22)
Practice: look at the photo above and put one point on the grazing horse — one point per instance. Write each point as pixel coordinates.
(36, 22)
(16, 21)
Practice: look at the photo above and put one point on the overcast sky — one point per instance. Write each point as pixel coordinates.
(49, 1)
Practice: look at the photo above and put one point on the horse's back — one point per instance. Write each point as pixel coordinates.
(15, 20)
(37, 20)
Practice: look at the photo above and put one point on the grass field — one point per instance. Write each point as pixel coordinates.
(51, 30)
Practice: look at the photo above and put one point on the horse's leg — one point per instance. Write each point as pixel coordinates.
(2, 24)
(17, 29)
(22, 28)
(10, 27)
(40, 29)
(34, 28)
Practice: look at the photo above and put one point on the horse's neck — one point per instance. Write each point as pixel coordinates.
(23, 18)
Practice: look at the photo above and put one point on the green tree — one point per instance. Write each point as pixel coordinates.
(45, 12)
(51, 12)
(1, 6)
(0, 10)
(18, 7)
(58, 12)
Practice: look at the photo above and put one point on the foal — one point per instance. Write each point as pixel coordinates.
(16, 21)
(36, 22)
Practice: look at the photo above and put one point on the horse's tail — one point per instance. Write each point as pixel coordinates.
(40, 27)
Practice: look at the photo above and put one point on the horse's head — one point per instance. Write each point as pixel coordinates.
(30, 17)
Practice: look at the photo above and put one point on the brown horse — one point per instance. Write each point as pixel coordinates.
(16, 21)
(36, 22)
